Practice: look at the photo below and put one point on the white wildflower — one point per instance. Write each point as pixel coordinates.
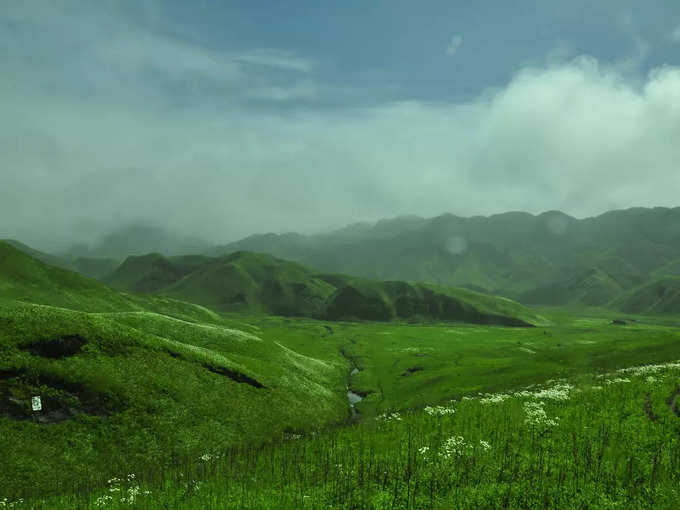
(423, 450)
(536, 415)
(389, 417)
(557, 392)
(439, 410)
(617, 380)
(484, 444)
(455, 446)
(494, 398)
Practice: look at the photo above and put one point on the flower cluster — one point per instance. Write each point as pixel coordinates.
(557, 392)
(536, 415)
(10, 504)
(617, 380)
(128, 496)
(455, 446)
(439, 410)
(423, 450)
(207, 457)
(389, 417)
(495, 398)
(649, 369)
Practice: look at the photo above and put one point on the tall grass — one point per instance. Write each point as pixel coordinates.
(608, 441)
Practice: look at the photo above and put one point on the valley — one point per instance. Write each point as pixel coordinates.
(150, 384)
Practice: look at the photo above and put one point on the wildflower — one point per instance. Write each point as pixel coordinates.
(439, 410)
(389, 417)
(484, 444)
(455, 446)
(536, 415)
(557, 392)
(494, 398)
(617, 380)
(103, 500)
(206, 457)
(423, 450)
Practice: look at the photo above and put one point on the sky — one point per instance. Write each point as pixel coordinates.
(220, 119)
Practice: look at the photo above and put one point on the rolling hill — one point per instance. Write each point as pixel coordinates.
(259, 283)
(541, 259)
(162, 380)
(661, 296)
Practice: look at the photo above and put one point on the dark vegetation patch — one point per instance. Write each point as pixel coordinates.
(56, 348)
(619, 322)
(648, 408)
(235, 376)
(672, 402)
(412, 370)
(61, 399)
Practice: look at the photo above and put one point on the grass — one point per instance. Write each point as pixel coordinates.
(607, 441)
(215, 410)
(258, 283)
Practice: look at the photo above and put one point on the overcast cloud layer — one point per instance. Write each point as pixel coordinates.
(109, 119)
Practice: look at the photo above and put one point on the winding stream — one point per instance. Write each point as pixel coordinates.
(351, 396)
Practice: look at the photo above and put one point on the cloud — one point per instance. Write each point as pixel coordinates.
(454, 44)
(159, 130)
(675, 35)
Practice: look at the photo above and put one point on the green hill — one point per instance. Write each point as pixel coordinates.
(260, 283)
(542, 259)
(591, 287)
(141, 381)
(659, 296)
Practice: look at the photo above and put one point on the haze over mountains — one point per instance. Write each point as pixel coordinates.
(549, 259)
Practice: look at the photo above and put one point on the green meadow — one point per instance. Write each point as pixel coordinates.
(152, 402)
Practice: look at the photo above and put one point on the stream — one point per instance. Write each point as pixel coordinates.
(351, 396)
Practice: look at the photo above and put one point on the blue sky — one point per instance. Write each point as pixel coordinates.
(222, 119)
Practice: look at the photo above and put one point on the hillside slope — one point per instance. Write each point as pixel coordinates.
(659, 296)
(134, 382)
(517, 255)
(260, 283)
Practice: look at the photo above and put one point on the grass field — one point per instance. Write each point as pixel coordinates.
(212, 410)
(593, 441)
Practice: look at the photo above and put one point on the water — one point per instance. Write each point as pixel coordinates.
(353, 398)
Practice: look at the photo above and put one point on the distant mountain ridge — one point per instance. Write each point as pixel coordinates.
(526, 257)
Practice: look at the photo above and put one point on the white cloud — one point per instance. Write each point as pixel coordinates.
(675, 35)
(101, 138)
(454, 44)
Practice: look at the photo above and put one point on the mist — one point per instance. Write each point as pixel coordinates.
(108, 122)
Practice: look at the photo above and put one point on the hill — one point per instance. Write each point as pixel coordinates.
(260, 283)
(141, 381)
(540, 259)
(659, 296)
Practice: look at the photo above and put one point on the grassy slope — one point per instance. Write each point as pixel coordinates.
(600, 442)
(165, 404)
(661, 296)
(255, 282)
(415, 365)
(513, 254)
(159, 386)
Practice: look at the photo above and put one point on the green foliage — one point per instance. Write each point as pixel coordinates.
(549, 259)
(601, 442)
(254, 282)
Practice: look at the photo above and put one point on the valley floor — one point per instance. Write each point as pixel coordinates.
(452, 415)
